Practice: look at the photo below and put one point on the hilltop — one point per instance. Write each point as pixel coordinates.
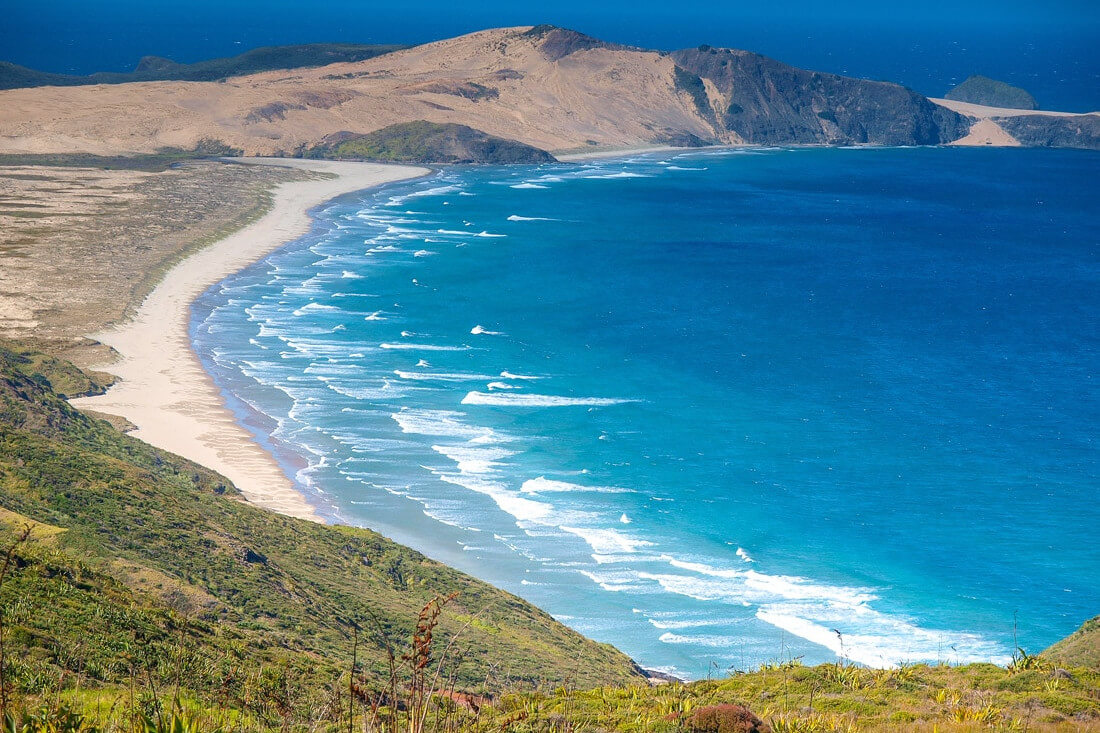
(549, 88)
(982, 90)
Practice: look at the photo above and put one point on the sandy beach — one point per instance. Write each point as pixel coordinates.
(162, 387)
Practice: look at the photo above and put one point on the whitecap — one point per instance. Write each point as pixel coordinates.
(423, 347)
(509, 375)
(528, 185)
(543, 485)
(517, 217)
(479, 330)
(537, 400)
(608, 541)
(441, 376)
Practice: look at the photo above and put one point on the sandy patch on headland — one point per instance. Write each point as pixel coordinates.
(163, 389)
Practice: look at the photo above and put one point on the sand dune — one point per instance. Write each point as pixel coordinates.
(499, 81)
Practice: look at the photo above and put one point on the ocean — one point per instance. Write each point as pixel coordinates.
(717, 408)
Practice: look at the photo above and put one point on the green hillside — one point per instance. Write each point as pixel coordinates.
(143, 566)
(992, 93)
(428, 143)
(154, 68)
(139, 593)
(1079, 649)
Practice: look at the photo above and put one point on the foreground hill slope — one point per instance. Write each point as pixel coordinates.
(547, 87)
(137, 549)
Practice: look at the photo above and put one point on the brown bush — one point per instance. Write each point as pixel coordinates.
(726, 719)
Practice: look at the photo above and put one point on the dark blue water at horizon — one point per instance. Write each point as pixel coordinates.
(712, 408)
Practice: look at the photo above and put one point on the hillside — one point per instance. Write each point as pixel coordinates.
(425, 143)
(136, 554)
(155, 68)
(549, 88)
(992, 93)
(1079, 649)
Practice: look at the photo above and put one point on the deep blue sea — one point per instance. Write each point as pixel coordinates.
(716, 408)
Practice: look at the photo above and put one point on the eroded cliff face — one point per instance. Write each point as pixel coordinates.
(755, 99)
(1071, 131)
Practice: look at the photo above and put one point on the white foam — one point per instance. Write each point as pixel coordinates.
(878, 640)
(444, 423)
(500, 385)
(520, 508)
(537, 400)
(744, 555)
(423, 347)
(489, 234)
(608, 541)
(620, 174)
(684, 624)
(376, 316)
(509, 375)
(716, 642)
(543, 485)
(423, 253)
(527, 185)
(624, 519)
(474, 459)
(314, 308)
(517, 217)
(441, 376)
(481, 330)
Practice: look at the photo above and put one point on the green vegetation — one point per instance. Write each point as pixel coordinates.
(144, 569)
(139, 593)
(693, 86)
(992, 93)
(152, 68)
(1079, 649)
(427, 143)
(148, 162)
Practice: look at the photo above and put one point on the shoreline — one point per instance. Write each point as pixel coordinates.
(163, 388)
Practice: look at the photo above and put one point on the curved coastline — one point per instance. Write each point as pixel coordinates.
(163, 388)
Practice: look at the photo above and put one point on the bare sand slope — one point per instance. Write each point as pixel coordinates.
(987, 132)
(990, 122)
(501, 81)
(982, 112)
(164, 390)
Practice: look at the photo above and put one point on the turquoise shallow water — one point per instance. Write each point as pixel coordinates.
(715, 408)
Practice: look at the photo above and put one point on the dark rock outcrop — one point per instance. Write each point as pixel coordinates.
(557, 43)
(1050, 131)
(992, 93)
(763, 101)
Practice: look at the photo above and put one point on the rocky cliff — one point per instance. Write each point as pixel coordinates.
(755, 99)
